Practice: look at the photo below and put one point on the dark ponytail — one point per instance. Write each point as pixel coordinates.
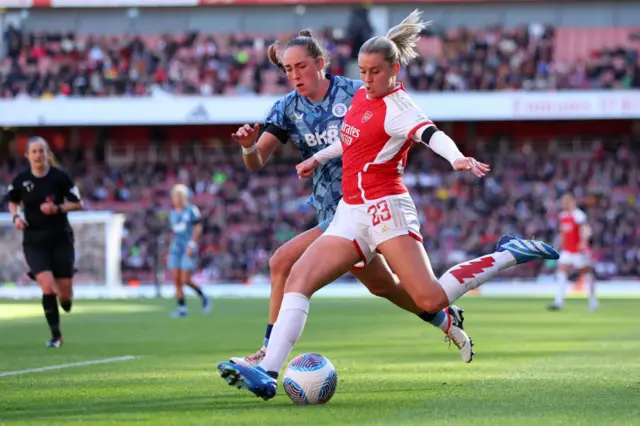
(304, 39)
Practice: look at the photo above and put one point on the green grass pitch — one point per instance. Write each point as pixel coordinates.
(532, 367)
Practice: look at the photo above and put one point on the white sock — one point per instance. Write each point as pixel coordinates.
(286, 331)
(561, 278)
(472, 274)
(591, 285)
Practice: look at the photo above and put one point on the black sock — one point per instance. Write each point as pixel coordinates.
(427, 316)
(181, 303)
(50, 306)
(66, 305)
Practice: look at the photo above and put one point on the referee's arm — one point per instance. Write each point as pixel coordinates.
(13, 196)
(72, 199)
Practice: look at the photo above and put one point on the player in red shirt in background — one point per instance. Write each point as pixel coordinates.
(376, 212)
(575, 255)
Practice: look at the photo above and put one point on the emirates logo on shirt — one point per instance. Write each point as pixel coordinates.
(367, 116)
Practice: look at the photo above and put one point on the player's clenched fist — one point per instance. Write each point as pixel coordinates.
(246, 135)
(306, 168)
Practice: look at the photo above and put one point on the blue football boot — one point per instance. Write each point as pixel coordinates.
(526, 250)
(253, 379)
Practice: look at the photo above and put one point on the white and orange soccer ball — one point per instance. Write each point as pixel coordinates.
(310, 379)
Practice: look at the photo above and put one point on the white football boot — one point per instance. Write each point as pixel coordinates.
(250, 360)
(456, 334)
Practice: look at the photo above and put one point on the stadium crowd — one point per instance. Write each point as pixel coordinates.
(248, 216)
(47, 65)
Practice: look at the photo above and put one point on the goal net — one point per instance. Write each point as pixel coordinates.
(98, 240)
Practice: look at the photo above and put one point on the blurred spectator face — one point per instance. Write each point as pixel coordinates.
(378, 75)
(304, 72)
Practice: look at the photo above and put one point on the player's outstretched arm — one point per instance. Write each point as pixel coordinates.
(444, 146)
(255, 155)
(306, 168)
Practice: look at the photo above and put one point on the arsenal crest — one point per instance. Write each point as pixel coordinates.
(367, 115)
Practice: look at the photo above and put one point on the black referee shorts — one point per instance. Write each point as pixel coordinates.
(54, 254)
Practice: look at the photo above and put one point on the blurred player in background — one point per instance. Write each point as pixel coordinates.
(310, 116)
(185, 220)
(575, 233)
(377, 211)
(46, 194)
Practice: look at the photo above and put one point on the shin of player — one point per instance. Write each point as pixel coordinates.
(376, 212)
(47, 194)
(185, 219)
(575, 233)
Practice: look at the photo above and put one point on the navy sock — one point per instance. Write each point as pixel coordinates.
(181, 304)
(427, 316)
(267, 335)
(198, 290)
(436, 319)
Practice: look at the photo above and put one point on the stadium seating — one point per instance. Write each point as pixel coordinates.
(493, 58)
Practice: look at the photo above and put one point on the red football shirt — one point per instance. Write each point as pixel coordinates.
(570, 227)
(376, 135)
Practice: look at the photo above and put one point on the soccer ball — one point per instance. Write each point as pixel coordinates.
(310, 379)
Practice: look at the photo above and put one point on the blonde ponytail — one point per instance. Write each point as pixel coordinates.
(399, 45)
(53, 160)
(51, 157)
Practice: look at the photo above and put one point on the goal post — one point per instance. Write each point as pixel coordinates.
(98, 242)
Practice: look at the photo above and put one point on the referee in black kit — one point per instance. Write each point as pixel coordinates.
(46, 194)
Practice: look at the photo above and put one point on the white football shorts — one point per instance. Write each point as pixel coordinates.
(575, 260)
(369, 225)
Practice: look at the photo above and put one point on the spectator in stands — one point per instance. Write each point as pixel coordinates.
(50, 65)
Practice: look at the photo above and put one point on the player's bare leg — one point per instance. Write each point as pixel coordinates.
(50, 305)
(562, 274)
(376, 276)
(382, 282)
(587, 275)
(409, 260)
(307, 276)
(280, 265)
(186, 279)
(182, 306)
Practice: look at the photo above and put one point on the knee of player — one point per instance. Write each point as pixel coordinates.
(430, 302)
(281, 262)
(298, 281)
(46, 283)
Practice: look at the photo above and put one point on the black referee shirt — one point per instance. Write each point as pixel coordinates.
(32, 191)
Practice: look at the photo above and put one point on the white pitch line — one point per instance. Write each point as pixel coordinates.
(73, 364)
